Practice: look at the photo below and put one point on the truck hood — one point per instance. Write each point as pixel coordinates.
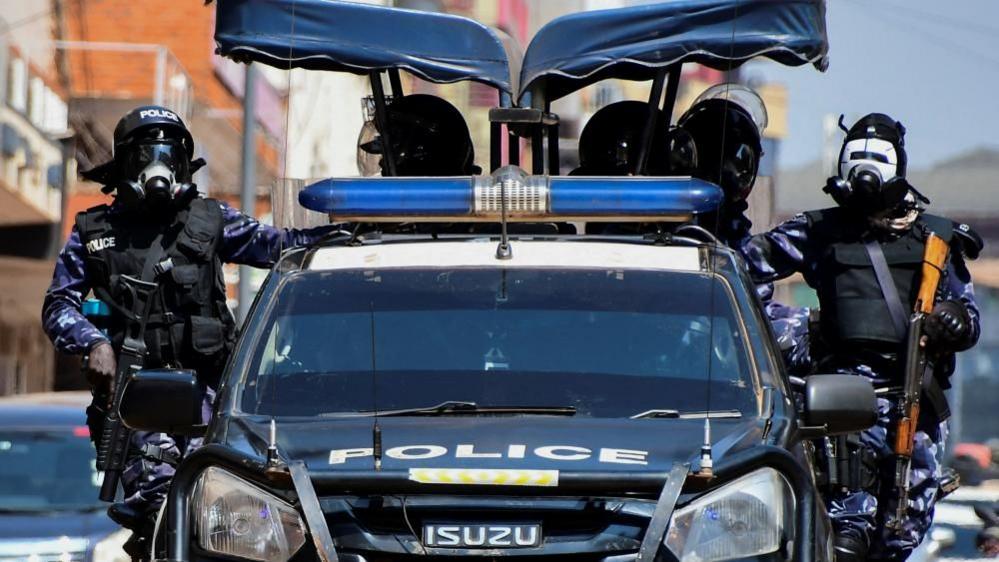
(491, 442)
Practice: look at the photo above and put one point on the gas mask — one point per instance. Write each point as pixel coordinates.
(867, 178)
(160, 169)
(870, 175)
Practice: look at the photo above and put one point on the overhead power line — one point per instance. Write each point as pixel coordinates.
(6, 28)
(906, 9)
(888, 17)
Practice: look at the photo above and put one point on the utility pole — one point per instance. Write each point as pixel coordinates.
(248, 180)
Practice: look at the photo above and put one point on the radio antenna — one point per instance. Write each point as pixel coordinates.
(272, 450)
(503, 251)
(376, 430)
(705, 469)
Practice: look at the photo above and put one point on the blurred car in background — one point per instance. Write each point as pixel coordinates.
(976, 462)
(49, 511)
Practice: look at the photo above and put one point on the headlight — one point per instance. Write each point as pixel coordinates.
(110, 548)
(748, 517)
(236, 518)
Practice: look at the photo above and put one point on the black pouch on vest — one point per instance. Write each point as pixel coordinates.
(185, 277)
(198, 237)
(207, 335)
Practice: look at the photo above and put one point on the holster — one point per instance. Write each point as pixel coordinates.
(843, 463)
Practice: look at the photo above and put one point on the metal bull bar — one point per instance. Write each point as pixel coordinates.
(650, 483)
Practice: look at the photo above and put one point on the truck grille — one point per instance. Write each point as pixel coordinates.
(380, 529)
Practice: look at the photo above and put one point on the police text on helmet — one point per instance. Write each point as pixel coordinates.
(159, 113)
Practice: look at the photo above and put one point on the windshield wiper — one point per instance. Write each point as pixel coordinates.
(51, 509)
(458, 408)
(677, 414)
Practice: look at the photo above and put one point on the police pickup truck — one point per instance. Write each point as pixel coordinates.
(459, 375)
(398, 397)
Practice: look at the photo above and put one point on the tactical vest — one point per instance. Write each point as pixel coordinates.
(189, 325)
(853, 307)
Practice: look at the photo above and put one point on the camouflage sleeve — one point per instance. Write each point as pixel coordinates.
(734, 226)
(956, 285)
(779, 253)
(62, 317)
(790, 326)
(246, 241)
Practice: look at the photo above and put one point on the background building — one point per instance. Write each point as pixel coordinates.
(36, 168)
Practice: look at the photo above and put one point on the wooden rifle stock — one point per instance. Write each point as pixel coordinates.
(934, 259)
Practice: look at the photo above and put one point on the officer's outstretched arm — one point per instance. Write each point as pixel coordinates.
(779, 253)
(62, 317)
(248, 242)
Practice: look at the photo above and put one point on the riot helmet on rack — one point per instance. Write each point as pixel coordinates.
(870, 173)
(726, 122)
(428, 136)
(611, 140)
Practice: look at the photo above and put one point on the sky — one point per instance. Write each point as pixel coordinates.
(932, 64)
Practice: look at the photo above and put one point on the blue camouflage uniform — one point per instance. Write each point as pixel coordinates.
(245, 241)
(786, 250)
(789, 323)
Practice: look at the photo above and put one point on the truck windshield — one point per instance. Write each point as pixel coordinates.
(606, 343)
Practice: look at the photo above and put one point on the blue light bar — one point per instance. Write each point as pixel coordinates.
(390, 197)
(528, 198)
(639, 195)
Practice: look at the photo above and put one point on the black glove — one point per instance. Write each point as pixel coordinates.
(948, 327)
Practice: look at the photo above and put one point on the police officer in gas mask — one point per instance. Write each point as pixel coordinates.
(725, 124)
(161, 230)
(610, 143)
(863, 258)
(427, 137)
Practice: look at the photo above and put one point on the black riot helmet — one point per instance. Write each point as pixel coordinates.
(152, 153)
(870, 174)
(726, 123)
(429, 137)
(611, 140)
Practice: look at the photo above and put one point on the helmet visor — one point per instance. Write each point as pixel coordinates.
(170, 153)
(369, 151)
(741, 95)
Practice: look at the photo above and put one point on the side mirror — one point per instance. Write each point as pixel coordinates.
(163, 400)
(838, 404)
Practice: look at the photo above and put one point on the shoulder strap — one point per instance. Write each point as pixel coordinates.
(888, 289)
(153, 258)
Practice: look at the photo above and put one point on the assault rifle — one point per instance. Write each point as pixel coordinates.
(112, 448)
(934, 260)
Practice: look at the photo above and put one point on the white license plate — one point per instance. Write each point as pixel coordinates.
(443, 535)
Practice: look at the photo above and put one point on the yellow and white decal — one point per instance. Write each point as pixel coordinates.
(485, 476)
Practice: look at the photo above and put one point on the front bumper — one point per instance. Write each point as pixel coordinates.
(376, 516)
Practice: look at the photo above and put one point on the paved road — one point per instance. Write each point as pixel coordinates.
(956, 513)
